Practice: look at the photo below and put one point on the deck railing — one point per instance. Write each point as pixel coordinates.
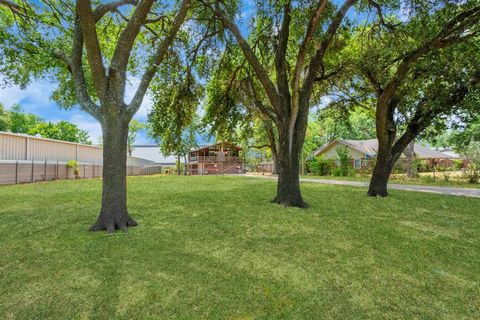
(215, 159)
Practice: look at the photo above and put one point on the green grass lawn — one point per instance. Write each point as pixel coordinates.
(215, 248)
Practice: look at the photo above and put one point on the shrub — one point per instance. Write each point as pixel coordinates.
(458, 164)
(74, 165)
(320, 167)
(471, 171)
(345, 159)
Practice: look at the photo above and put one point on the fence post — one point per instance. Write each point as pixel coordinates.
(45, 170)
(84, 168)
(56, 171)
(16, 173)
(33, 164)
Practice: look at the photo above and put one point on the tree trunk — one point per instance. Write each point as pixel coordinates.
(185, 164)
(113, 213)
(274, 161)
(288, 186)
(409, 158)
(178, 164)
(381, 174)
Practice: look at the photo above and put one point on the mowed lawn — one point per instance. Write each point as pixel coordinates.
(215, 248)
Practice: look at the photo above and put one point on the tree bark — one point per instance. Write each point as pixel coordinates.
(114, 213)
(381, 173)
(178, 164)
(185, 164)
(288, 186)
(409, 158)
(274, 161)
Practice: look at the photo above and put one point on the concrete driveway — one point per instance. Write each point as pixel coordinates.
(466, 192)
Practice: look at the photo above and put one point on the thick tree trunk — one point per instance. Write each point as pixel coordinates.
(387, 156)
(113, 213)
(288, 186)
(381, 174)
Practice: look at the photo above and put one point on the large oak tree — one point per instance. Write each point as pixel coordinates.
(98, 47)
(420, 71)
(299, 36)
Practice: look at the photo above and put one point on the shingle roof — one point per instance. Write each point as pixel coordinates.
(370, 147)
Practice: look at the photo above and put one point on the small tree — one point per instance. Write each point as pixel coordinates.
(61, 130)
(4, 119)
(72, 164)
(344, 158)
(133, 128)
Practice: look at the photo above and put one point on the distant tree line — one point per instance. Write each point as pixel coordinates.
(17, 121)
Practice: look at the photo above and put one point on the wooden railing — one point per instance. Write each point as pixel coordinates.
(215, 159)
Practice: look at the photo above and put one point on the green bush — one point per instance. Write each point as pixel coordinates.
(345, 159)
(471, 172)
(319, 167)
(458, 164)
(72, 164)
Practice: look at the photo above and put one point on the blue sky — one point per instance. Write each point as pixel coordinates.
(36, 97)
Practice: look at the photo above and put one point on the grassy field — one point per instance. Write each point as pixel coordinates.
(215, 248)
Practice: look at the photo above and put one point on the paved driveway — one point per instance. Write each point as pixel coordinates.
(466, 192)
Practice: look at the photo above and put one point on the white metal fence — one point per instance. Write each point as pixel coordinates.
(12, 172)
(25, 159)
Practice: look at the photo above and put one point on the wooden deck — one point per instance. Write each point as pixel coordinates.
(214, 159)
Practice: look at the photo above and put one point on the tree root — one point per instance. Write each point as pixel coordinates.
(113, 223)
(373, 193)
(297, 203)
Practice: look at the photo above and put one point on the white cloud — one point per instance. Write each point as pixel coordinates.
(89, 124)
(34, 97)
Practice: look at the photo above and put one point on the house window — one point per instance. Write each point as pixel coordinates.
(357, 163)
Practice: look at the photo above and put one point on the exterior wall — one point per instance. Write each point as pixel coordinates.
(152, 153)
(22, 147)
(132, 161)
(331, 153)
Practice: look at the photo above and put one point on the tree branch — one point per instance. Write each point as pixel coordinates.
(280, 54)
(113, 6)
(317, 59)
(158, 58)
(312, 27)
(121, 55)
(94, 54)
(252, 59)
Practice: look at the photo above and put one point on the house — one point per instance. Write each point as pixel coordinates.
(220, 158)
(361, 150)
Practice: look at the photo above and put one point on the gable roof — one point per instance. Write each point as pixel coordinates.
(369, 148)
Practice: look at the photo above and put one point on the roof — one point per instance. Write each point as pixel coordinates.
(216, 144)
(370, 147)
(152, 153)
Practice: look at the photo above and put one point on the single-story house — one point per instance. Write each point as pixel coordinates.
(366, 149)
